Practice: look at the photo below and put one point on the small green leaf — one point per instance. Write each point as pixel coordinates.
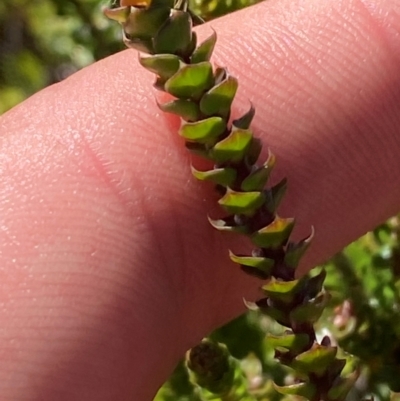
(227, 225)
(195, 18)
(143, 23)
(261, 266)
(175, 35)
(275, 234)
(306, 390)
(241, 202)
(187, 109)
(284, 291)
(191, 81)
(203, 131)
(164, 65)
(204, 51)
(311, 311)
(295, 251)
(313, 285)
(218, 100)
(257, 179)
(316, 360)
(294, 343)
(221, 176)
(233, 147)
(245, 121)
(275, 195)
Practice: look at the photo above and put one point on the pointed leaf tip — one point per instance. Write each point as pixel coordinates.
(295, 251)
(227, 224)
(205, 50)
(256, 266)
(221, 176)
(258, 178)
(245, 121)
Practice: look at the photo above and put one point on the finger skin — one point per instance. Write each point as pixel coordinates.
(109, 268)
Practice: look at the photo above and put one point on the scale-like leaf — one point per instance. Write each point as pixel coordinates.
(315, 284)
(144, 23)
(226, 224)
(245, 121)
(295, 251)
(311, 311)
(218, 100)
(241, 202)
(260, 267)
(316, 360)
(203, 131)
(204, 51)
(175, 35)
(186, 109)
(233, 147)
(191, 81)
(222, 176)
(257, 180)
(164, 65)
(275, 234)
(284, 291)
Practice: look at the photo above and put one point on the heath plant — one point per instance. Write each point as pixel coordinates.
(202, 95)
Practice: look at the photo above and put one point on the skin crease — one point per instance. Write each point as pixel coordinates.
(109, 269)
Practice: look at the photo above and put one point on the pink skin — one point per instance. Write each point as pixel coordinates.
(109, 269)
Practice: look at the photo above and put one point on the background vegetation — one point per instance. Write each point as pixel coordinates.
(44, 41)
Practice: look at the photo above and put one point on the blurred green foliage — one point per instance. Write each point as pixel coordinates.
(44, 41)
